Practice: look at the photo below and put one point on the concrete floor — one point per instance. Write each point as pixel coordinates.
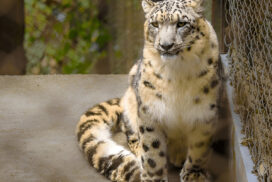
(38, 115)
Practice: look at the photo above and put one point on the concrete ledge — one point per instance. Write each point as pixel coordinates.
(243, 162)
(38, 115)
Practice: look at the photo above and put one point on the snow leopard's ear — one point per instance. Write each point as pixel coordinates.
(197, 5)
(148, 5)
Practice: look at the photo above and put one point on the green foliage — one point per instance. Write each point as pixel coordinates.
(63, 36)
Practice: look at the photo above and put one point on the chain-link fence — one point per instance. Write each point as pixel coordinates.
(250, 50)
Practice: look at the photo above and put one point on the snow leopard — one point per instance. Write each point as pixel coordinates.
(169, 111)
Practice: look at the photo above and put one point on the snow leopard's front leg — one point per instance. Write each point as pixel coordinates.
(198, 153)
(153, 152)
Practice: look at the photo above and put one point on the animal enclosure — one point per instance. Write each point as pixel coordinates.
(249, 37)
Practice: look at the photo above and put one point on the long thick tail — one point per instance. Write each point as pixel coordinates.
(105, 155)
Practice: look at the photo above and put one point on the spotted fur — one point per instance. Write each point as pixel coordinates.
(170, 109)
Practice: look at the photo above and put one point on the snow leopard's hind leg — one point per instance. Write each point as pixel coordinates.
(132, 135)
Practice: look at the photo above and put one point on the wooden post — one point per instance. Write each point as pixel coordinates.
(12, 56)
(102, 66)
(219, 22)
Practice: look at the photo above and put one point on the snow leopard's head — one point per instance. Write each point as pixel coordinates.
(173, 26)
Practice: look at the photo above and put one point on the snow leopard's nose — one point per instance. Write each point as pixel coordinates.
(166, 47)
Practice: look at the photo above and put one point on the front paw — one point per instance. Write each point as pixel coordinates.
(147, 178)
(155, 180)
(195, 175)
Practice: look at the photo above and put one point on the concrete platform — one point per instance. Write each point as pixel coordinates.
(38, 115)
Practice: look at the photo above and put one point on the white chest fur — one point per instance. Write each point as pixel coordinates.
(182, 106)
(183, 102)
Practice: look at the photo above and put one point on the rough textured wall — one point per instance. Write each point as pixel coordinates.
(126, 21)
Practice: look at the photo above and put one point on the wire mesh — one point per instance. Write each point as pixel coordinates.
(250, 51)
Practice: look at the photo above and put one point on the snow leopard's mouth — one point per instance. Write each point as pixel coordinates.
(168, 53)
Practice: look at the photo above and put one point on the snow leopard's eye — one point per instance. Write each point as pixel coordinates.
(155, 24)
(181, 24)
